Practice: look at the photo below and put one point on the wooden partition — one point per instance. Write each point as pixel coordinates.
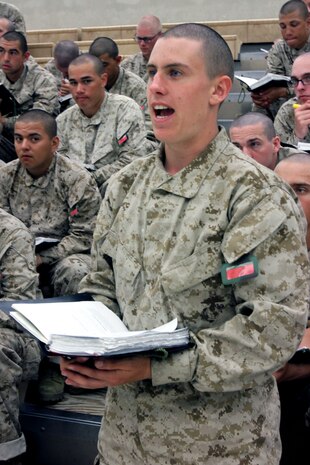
(125, 46)
(114, 32)
(129, 46)
(52, 35)
(43, 49)
(248, 31)
(234, 32)
(42, 61)
(234, 43)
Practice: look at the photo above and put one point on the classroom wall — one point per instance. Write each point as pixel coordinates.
(50, 14)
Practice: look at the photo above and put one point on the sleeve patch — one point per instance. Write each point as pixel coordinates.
(122, 139)
(74, 212)
(240, 271)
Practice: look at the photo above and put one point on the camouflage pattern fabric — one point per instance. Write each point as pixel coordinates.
(133, 86)
(18, 277)
(284, 124)
(109, 140)
(281, 57)
(19, 353)
(136, 64)
(159, 246)
(51, 68)
(285, 152)
(36, 88)
(13, 14)
(19, 361)
(62, 204)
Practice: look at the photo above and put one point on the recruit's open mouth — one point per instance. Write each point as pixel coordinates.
(162, 111)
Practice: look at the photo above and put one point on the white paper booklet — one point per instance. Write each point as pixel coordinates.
(91, 328)
(303, 146)
(269, 80)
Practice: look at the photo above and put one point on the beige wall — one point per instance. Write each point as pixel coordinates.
(43, 14)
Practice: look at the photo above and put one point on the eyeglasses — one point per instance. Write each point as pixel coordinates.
(305, 80)
(145, 39)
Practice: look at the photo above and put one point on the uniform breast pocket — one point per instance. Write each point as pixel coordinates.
(106, 153)
(194, 288)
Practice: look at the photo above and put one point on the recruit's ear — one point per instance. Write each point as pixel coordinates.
(55, 143)
(222, 86)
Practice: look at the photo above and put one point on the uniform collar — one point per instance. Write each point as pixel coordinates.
(187, 182)
(41, 182)
(119, 81)
(96, 118)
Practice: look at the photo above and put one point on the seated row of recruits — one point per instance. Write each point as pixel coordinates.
(119, 80)
(43, 194)
(104, 131)
(54, 197)
(30, 84)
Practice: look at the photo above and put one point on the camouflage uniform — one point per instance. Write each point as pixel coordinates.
(36, 88)
(281, 57)
(19, 353)
(133, 86)
(136, 64)
(52, 68)
(107, 141)
(62, 204)
(280, 60)
(286, 152)
(13, 14)
(284, 124)
(159, 245)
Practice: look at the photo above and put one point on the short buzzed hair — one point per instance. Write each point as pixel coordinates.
(40, 116)
(150, 21)
(65, 51)
(295, 5)
(217, 54)
(16, 36)
(301, 57)
(252, 118)
(102, 45)
(300, 157)
(10, 25)
(88, 58)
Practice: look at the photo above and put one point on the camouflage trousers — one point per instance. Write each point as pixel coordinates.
(66, 275)
(20, 356)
